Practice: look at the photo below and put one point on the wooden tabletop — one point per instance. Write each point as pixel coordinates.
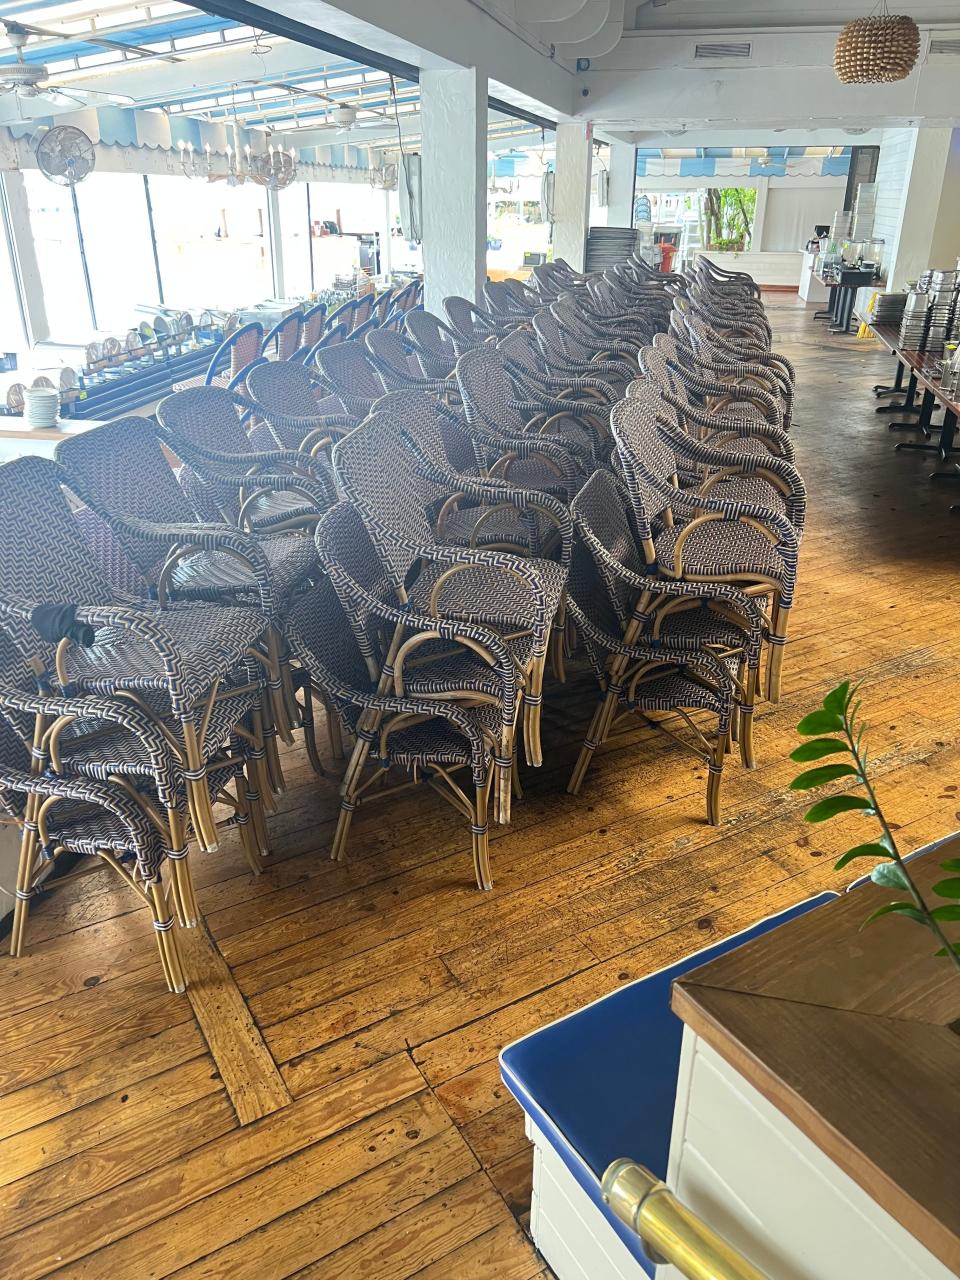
(855, 1037)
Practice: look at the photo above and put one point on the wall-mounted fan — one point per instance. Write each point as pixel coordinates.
(65, 155)
(21, 81)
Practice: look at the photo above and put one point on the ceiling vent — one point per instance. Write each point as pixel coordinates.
(723, 49)
(949, 47)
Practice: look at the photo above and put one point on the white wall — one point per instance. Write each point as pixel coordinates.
(896, 154)
(793, 211)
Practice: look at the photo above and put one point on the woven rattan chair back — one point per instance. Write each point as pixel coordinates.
(648, 463)
(351, 376)
(45, 555)
(438, 432)
(435, 343)
(345, 550)
(284, 390)
(205, 417)
(600, 511)
(121, 468)
(488, 393)
(313, 322)
(377, 473)
(391, 354)
(284, 338)
(468, 321)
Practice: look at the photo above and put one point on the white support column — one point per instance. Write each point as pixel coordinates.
(571, 193)
(760, 213)
(453, 107)
(24, 254)
(276, 242)
(623, 176)
(929, 231)
(386, 239)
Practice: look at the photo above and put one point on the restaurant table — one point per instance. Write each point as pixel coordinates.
(843, 291)
(924, 371)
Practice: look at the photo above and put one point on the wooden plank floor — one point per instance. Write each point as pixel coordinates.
(326, 1101)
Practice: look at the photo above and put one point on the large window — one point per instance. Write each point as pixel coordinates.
(57, 248)
(213, 243)
(116, 240)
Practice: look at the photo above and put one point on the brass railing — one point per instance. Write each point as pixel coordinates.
(670, 1233)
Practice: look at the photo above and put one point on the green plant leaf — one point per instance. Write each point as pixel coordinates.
(900, 908)
(820, 722)
(948, 888)
(951, 864)
(826, 773)
(836, 700)
(862, 851)
(890, 875)
(833, 805)
(949, 912)
(817, 749)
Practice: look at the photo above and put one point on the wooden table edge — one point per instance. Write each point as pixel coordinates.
(908, 1212)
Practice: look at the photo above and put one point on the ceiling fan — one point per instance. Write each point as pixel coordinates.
(341, 117)
(22, 80)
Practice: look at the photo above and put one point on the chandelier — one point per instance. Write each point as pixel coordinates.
(877, 49)
(274, 168)
(194, 164)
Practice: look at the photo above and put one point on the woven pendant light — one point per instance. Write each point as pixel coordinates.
(880, 48)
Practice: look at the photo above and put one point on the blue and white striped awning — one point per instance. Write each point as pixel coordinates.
(741, 162)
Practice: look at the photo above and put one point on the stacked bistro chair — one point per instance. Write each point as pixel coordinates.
(284, 338)
(435, 344)
(455, 678)
(314, 319)
(162, 699)
(394, 360)
(556, 443)
(294, 413)
(348, 374)
(516, 597)
(120, 472)
(81, 816)
(659, 647)
(229, 479)
(704, 381)
(700, 537)
(530, 372)
(566, 361)
(735, 458)
(234, 354)
(737, 357)
(472, 324)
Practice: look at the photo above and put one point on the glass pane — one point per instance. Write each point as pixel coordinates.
(213, 243)
(12, 337)
(335, 255)
(295, 239)
(116, 239)
(58, 259)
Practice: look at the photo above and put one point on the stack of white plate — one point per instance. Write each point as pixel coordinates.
(41, 406)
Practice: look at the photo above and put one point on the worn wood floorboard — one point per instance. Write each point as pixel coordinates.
(326, 1101)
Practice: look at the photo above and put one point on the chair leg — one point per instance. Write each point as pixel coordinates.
(595, 737)
(275, 682)
(532, 702)
(334, 732)
(347, 807)
(745, 720)
(480, 831)
(309, 728)
(25, 868)
(248, 837)
(776, 639)
(714, 780)
(184, 895)
(165, 926)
